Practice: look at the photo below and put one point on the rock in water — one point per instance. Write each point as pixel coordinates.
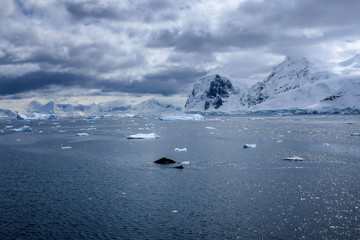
(164, 160)
(179, 167)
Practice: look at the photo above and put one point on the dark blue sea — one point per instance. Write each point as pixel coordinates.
(55, 185)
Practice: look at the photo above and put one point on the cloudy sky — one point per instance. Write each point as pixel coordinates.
(98, 50)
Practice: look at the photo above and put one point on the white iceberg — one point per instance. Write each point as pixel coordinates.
(36, 116)
(247, 145)
(212, 128)
(143, 136)
(180, 117)
(185, 163)
(180, 149)
(355, 134)
(22, 129)
(294, 158)
(81, 134)
(66, 147)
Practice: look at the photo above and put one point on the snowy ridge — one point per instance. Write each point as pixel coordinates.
(51, 110)
(293, 86)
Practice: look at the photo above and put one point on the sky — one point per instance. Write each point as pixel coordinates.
(85, 51)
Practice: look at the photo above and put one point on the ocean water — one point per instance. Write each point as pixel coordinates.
(55, 185)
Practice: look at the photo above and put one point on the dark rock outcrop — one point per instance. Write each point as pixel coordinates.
(164, 160)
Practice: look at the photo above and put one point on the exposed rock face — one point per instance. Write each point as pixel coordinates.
(210, 93)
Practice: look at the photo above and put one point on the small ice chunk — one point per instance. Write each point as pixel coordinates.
(355, 134)
(326, 144)
(22, 129)
(66, 147)
(143, 136)
(180, 149)
(174, 211)
(212, 128)
(81, 134)
(185, 163)
(294, 158)
(247, 145)
(8, 126)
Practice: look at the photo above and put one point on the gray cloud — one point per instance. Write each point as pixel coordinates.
(163, 46)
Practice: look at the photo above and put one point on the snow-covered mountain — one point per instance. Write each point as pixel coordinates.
(36, 110)
(212, 93)
(290, 74)
(294, 85)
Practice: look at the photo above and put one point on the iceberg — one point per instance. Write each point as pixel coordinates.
(143, 136)
(180, 149)
(22, 129)
(211, 128)
(294, 158)
(185, 163)
(36, 116)
(66, 147)
(81, 134)
(180, 117)
(253, 145)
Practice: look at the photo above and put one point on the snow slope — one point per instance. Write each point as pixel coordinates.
(295, 85)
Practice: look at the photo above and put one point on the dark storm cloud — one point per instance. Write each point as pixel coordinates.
(163, 82)
(148, 11)
(166, 82)
(39, 80)
(206, 41)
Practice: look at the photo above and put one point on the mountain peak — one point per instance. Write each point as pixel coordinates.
(211, 92)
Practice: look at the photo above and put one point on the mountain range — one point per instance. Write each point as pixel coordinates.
(36, 110)
(296, 85)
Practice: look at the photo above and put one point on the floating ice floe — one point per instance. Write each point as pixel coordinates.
(22, 129)
(185, 163)
(180, 149)
(143, 136)
(180, 117)
(253, 145)
(212, 128)
(355, 134)
(66, 147)
(81, 134)
(294, 158)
